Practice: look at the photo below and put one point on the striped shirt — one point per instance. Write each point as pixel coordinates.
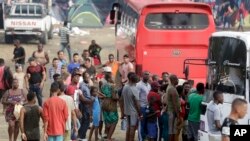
(64, 31)
(53, 71)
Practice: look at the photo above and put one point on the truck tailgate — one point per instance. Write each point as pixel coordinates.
(23, 24)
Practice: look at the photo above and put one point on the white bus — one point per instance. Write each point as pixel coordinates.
(228, 71)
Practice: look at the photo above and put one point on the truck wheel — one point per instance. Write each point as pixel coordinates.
(8, 39)
(50, 33)
(44, 38)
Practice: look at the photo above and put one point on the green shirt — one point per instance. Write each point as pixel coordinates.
(194, 101)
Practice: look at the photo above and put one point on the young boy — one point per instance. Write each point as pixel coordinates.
(96, 112)
(151, 117)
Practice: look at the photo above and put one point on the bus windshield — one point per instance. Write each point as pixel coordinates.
(227, 65)
(177, 21)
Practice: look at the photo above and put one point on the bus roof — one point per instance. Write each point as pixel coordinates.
(245, 36)
(138, 5)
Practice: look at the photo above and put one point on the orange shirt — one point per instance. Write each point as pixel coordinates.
(55, 112)
(114, 66)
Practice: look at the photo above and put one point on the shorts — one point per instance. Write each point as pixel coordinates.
(96, 119)
(132, 120)
(67, 135)
(172, 123)
(193, 128)
(152, 130)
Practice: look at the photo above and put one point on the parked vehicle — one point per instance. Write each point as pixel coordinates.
(28, 19)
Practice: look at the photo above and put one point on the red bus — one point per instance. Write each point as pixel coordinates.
(164, 36)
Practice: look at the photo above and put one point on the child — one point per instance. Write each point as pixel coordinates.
(19, 75)
(151, 117)
(96, 113)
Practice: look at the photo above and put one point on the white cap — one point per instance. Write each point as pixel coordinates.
(107, 69)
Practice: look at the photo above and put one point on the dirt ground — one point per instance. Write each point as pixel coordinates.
(104, 37)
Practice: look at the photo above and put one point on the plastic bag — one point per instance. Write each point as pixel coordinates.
(17, 111)
(124, 124)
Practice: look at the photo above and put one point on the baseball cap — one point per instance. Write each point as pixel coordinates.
(31, 59)
(107, 69)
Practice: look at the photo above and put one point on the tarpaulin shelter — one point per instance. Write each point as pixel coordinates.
(84, 13)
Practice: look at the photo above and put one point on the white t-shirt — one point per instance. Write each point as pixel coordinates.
(70, 105)
(213, 113)
(125, 70)
(20, 78)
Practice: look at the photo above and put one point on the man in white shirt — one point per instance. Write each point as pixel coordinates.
(214, 113)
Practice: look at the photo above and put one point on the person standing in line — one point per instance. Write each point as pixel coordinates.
(130, 107)
(238, 111)
(6, 80)
(35, 78)
(90, 69)
(109, 106)
(41, 55)
(19, 75)
(30, 118)
(171, 99)
(11, 98)
(194, 102)
(19, 53)
(85, 107)
(54, 69)
(114, 65)
(61, 58)
(241, 20)
(96, 112)
(214, 113)
(71, 110)
(55, 114)
(74, 64)
(155, 99)
(64, 34)
(125, 68)
(164, 78)
(186, 90)
(86, 55)
(94, 51)
(144, 88)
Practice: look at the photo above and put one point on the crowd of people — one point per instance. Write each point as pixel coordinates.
(83, 98)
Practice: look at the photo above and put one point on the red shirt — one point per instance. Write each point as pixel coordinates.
(55, 112)
(183, 108)
(157, 103)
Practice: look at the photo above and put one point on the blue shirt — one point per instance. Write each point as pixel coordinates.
(85, 108)
(72, 66)
(96, 107)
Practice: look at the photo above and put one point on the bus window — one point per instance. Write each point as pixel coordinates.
(177, 21)
(223, 77)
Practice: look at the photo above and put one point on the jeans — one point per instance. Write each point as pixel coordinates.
(142, 130)
(38, 91)
(85, 122)
(55, 138)
(66, 45)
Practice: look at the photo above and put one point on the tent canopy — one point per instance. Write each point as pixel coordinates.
(85, 14)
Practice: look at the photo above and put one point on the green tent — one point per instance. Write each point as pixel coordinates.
(85, 14)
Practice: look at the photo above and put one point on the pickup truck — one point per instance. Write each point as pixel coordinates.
(29, 21)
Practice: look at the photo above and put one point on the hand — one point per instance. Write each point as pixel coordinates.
(140, 117)
(41, 85)
(91, 118)
(76, 131)
(24, 136)
(158, 111)
(45, 137)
